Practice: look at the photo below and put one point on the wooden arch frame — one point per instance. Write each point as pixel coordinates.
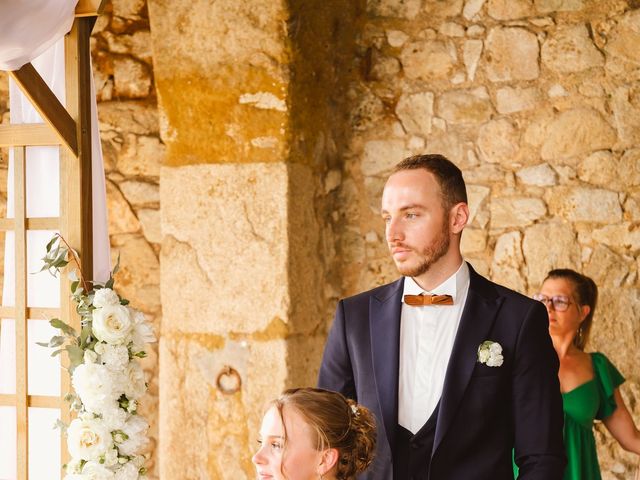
(69, 127)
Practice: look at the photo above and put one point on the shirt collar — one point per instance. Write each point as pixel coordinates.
(454, 285)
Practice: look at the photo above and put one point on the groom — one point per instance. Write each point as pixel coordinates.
(458, 379)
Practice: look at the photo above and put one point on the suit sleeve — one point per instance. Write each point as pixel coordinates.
(336, 372)
(537, 402)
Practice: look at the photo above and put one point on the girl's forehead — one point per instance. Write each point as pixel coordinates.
(272, 424)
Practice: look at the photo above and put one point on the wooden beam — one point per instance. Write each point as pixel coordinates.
(38, 401)
(33, 313)
(20, 258)
(36, 223)
(32, 134)
(47, 104)
(88, 8)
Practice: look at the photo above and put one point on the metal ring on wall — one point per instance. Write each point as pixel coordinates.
(229, 371)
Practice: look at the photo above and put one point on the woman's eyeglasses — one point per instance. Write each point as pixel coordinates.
(560, 302)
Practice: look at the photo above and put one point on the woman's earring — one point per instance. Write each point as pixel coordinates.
(580, 334)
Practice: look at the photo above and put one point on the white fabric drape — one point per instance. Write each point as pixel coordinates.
(29, 27)
(43, 200)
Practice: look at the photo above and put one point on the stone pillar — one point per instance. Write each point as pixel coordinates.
(245, 119)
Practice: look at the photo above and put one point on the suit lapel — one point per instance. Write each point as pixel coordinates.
(384, 324)
(478, 316)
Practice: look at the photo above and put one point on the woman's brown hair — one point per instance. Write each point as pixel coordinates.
(586, 293)
(339, 423)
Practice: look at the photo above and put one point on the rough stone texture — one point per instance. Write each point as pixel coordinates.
(626, 114)
(576, 132)
(394, 8)
(508, 261)
(428, 60)
(571, 50)
(471, 56)
(498, 142)
(539, 175)
(512, 54)
(511, 100)
(624, 36)
(548, 6)
(465, 106)
(515, 211)
(415, 112)
(547, 246)
(582, 204)
(509, 9)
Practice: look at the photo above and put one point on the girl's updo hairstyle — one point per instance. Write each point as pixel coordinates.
(338, 422)
(585, 293)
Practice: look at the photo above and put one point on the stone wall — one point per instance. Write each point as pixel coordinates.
(537, 102)
(281, 121)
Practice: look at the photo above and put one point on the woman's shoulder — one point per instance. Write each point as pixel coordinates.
(609, 378)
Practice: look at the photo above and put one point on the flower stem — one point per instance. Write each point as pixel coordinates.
(76, 259)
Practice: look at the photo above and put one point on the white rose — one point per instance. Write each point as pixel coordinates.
(495, 349)
(111, 457)
(88, 439)
(74, 466)
(135, 385)
(95, 471)
(127, 472)
(483, 355)
(112, 324)
(136, 429)
(95, 386)
(495, 361)
(104, 297)
(115, 357)
(142, 331)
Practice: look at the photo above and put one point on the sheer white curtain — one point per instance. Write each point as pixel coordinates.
(43, 200)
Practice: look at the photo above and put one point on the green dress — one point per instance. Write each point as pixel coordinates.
(582, 405)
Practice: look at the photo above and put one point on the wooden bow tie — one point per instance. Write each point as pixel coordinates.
(422, 300)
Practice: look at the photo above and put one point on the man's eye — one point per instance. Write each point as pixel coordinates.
(386, 219)
(411, 215)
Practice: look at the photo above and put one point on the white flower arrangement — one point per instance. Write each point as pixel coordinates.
(108, 436)
(490, 353)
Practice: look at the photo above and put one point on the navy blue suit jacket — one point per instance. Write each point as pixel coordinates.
(484, 411)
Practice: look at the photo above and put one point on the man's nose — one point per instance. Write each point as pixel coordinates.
(394, 232)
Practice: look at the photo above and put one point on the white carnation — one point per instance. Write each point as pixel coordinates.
(495, 349)
(136, 429)
(127, 472)
(95, 386)
(90, 356)
(112, 324)
(96, 471)
(88, 439)
(135, 385)
(104, 297)
(114, 357)
(495, 361)
(483, 355)
(114, 417)
(74, 466)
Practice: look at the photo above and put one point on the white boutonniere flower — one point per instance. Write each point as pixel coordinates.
(490, 353)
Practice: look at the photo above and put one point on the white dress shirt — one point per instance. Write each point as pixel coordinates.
(427, 334)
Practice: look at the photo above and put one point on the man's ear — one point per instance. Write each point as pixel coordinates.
(328, 460)
(459, 217)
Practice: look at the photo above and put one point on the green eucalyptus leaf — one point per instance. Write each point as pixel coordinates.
(43, 344)
(51, 242)
(59, 324)
(76, 355)
(57, 352)
(56, 341)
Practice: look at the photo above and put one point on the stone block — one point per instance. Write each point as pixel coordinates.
(474, 240)
(548, 6)
(140, 194)
(465, 106)
(624, 38)
(139, 276)
(570, 49)
(509, 212)
(541, 175)
(150, 220)
(138, 44)
(121, 216)
(380, 156)
(547, 246)
(394, 8)
(507, 262)
(622, 235)
(511, 53)
(475, 31)
(476, 195)
(141, 156)
(600, 169)
(131, 78)
(415, 111)
(509, 9)
(396, 38)
(606, 267)
(576, 132)
(227, 222)
(498, 142)
(428, 60)
(450, 8)
(625, 104)
(583, 204)
(471, 56)
(629, 168)
(511, 100)
(451, 29)
(128, 8)
(448, 144)
(128, 117)
(472, 8)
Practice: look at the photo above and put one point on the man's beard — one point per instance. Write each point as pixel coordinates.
(431, 254)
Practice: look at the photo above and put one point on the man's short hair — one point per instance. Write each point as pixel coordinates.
(448, 176)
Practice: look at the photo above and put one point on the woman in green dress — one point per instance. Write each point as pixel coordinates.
(589, 382)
